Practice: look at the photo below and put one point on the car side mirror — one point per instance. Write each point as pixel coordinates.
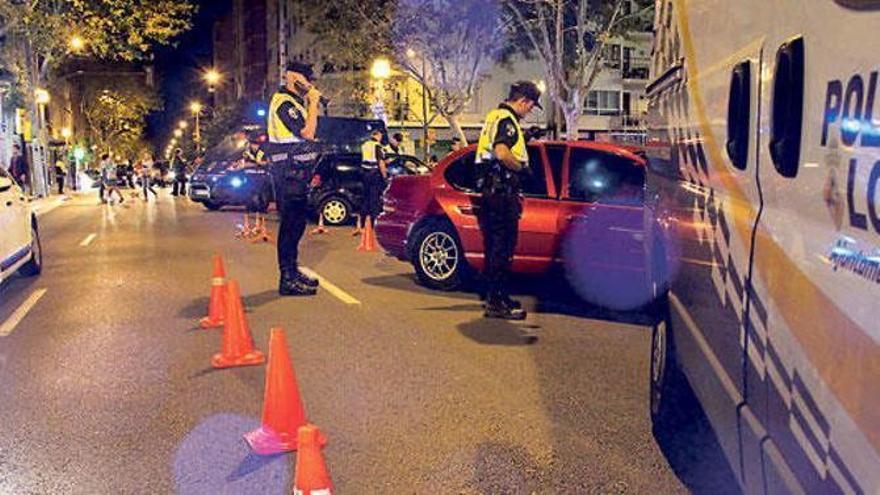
(5, 184)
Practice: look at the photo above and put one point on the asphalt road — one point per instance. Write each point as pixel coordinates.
(106, 384)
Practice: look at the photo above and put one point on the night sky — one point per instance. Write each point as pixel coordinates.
(179, 69)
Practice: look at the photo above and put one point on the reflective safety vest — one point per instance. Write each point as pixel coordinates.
(278, 132)
(369, 159)
(485, 146)
(258, 157)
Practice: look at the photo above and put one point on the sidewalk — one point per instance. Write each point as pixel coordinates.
(42, 206)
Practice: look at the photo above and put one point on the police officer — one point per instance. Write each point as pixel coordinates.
(292, 122)
(374, 173)
(501, 156)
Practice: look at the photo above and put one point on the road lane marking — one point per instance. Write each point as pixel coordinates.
(332, 289)
(9, 325)
(88, 240)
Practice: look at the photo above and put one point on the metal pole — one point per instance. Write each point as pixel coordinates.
(425, 147)
(197, 134)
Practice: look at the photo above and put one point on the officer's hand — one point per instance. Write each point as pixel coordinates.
(313, 94)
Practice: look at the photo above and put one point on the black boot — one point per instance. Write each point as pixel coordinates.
(306, 280)
(497, 307)
(291, 286)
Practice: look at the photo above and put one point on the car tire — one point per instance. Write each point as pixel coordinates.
(438, 257)
(212, 205)
(669, 395)
(336, 210)
(35, 266)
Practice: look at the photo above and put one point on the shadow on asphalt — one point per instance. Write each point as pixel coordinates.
(498, 332)
(250, 464)
(551, 293)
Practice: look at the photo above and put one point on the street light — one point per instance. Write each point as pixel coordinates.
(381, 69)
(196, 108)
(65, 133)
(77, 43)
(42, 96)
(212, 77)
(178, 133)
(183, 124)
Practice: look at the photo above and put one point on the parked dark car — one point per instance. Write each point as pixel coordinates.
(218, 183)
(340, 194)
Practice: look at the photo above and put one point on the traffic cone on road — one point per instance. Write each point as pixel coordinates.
(311, 476)
(368, 240)
(283, 411)
(217, 300)
(238, 344)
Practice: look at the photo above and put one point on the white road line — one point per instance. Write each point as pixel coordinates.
(88, 240)
(332, 289)
(9, 325)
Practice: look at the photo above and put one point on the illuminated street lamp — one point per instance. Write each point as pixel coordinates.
(381, 69)
(196, 108)
(66, 133)
(178, 133)
(183, 124)
(77, 43)
(213, 78)
(42, 96)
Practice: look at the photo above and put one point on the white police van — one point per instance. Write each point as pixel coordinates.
(19, 238)
(763, 203)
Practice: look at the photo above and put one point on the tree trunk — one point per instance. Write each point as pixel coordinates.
(456, 128)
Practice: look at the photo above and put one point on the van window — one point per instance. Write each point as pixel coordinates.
(596, 176)
(461, 174)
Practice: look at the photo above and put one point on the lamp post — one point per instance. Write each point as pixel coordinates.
(196, 108)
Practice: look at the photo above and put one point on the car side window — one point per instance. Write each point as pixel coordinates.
(597, 176)
(534, 181)
(556, 155)
(462, 173)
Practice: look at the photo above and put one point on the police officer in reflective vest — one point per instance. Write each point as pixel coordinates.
(374, 173)
(501, 157)
(292, 122)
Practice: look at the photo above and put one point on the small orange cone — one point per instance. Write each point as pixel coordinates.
(283, 411)
(311, 476)
(217, 301)
(368, 240)
(238, 344)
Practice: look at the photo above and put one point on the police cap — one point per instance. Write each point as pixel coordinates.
(526, 89)
(301, 67)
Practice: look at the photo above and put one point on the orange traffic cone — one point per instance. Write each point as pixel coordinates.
(238, 344)
(283, 411)
(311, 476)
(368, 240)
(217, 301)
(261, 233)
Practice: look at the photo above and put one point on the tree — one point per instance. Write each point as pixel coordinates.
(115, 115)
(446, 46)
(569, 38)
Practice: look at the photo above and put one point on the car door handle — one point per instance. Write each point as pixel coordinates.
(469, 210)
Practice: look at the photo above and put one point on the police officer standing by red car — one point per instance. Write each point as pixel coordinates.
(501, 157)
(292, 122)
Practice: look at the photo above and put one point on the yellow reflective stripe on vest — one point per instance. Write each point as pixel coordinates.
(278, 132)
(368, 152)
(485, 146)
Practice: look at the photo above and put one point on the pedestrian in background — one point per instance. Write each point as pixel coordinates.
(19, 169)
(501, 156)
(60, 175)
(457, 143)
(146, 176)
(178, 168)
(110, 179)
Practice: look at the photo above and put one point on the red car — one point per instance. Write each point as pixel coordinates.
(583, 199)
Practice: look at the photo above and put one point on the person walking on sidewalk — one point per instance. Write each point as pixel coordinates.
(60, 175)
(18, 167)
(292, 122)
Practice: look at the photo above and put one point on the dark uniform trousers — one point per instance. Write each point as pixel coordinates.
(500, 209)
(291, 179)
(374, 185)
